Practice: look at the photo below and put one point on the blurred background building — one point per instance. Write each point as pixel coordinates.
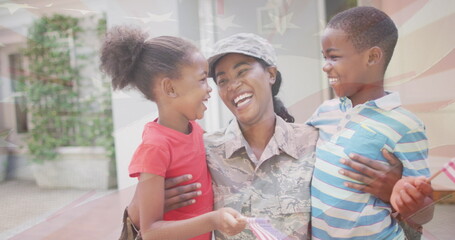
(422, 70)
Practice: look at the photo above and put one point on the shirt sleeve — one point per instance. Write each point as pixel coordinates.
(313, 117)
(149, 159)
(412, 150)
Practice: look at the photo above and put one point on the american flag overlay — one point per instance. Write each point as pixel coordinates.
(263, 230)
(449, 170)
(422, 70)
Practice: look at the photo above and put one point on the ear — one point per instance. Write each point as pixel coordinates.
(375, 55)
(272, 73)
(167, 87)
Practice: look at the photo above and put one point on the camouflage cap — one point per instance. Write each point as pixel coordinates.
(244, 43)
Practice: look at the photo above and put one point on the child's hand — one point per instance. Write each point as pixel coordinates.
(229, 221)
(410, 195)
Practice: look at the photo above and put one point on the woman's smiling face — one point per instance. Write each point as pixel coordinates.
(244, 85)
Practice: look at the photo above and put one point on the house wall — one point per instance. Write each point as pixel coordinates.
(14, 23)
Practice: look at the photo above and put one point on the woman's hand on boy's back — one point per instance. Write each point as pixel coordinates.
(376, 178)
(180, 196)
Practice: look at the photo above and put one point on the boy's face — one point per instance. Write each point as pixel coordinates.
(345, 66)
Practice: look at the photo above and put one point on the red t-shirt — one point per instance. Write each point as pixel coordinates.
(170, 153)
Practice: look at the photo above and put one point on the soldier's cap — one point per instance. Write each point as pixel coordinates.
(244, 43)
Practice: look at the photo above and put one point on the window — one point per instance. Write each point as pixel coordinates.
(20, 105)
(332, 7)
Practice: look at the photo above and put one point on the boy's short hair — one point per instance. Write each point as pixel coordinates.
(367, 27)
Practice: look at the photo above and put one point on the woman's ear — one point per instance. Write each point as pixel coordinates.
(167, 87)
(375, 55)
(272, 73)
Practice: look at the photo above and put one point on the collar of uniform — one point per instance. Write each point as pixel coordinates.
(388, 102)
(279, 141)
(235, 138)
(284, 135)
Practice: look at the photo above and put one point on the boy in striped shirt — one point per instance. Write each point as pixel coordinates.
(357, 46)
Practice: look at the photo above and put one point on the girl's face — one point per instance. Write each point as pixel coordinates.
(245, 87)
(193, 89)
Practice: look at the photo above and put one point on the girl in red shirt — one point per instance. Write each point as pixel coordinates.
(172, 73)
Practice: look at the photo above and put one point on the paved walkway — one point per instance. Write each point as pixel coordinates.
(24, 205)
(29, 212)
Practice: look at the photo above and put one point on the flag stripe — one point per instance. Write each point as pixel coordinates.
(258, 230)
(449, 170)
(263, 230)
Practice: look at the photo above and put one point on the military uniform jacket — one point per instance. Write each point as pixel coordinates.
(276, 186)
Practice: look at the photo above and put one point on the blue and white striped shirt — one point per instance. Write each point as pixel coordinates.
(344, 213)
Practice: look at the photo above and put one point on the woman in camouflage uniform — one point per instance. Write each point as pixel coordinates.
(261, 164)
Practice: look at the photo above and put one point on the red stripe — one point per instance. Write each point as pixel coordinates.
(220, 7)
(449, 174)
(259, 231)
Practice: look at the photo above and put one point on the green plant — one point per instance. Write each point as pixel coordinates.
(66, 108)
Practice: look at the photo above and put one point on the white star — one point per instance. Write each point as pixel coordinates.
(282, 23)
(83, 12)
(155, 18)
(224, 23)
(13, 7)
(321, 26)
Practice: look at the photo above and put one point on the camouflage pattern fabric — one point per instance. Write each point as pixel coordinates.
(276, 186)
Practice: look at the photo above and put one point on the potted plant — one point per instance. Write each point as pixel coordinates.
(70, 140)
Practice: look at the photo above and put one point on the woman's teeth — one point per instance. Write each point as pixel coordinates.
(242, 99)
